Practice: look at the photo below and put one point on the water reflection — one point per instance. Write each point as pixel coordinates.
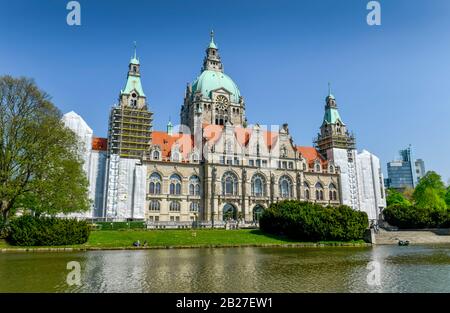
(402, 269)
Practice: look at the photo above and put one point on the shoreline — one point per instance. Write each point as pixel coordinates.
(204, 246)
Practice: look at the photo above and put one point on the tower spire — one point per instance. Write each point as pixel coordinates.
(134, 59)
(212, 60)
(211, 42)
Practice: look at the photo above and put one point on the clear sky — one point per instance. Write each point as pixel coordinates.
(392, 82)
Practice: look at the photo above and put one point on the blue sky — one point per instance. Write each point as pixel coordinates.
(391, 82)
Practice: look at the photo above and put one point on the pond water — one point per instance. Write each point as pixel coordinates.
(341, 269)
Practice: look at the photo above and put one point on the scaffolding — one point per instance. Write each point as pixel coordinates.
(130, 132)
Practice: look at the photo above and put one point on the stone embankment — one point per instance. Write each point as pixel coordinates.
(422, 236)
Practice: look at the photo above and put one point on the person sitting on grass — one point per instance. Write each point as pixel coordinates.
(137, 243)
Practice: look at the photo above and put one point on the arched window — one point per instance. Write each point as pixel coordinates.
(285, 187)
(194, 206)
(331, 169)
(229, 184)
(304, 166)
(258, 185)
(176, 156)
(318, 167)
(154, 205)
(307, 195)
(333, 192)
(155, 184)
(319, 191)
(174, 206)
(175, 184)
(156, 155)
(194, 186)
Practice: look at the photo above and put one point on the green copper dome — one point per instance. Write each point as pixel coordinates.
(212, 80)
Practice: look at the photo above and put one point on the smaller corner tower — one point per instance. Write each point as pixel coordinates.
(333, 132)
(130, 123)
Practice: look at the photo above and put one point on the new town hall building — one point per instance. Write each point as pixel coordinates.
(217, 166)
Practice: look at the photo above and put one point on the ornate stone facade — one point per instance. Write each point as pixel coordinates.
(218, 167)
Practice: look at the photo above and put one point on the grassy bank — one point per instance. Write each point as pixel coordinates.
(123, 239)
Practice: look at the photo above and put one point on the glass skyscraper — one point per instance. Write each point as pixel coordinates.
(405, 172)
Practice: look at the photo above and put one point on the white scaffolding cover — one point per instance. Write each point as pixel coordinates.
(97, 178)
(126, 188)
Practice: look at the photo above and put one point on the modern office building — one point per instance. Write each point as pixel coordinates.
(406, 171)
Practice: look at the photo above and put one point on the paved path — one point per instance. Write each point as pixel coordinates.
(384, 237)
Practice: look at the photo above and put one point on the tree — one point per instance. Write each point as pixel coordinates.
(396, 198)
(447, 197)
(40, 167)
(408, 194)
(430, 192)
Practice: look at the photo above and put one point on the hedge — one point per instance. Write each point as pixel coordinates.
(410, 217)
(47, 231)
(313, 222)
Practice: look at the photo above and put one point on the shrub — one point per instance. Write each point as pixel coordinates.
(408, 217)
(47, 231)
(313, 222)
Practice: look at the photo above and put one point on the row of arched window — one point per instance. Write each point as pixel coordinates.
(175, 156)
(174, 206)
(320, 192)
(230, 185)
(175, 183)
(285, 185)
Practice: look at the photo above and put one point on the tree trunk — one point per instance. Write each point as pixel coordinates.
(4, 208)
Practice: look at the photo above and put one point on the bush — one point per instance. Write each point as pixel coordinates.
(47, 231)
(313, 222)
(409, 217)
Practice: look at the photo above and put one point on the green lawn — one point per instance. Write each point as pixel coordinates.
(204, 237)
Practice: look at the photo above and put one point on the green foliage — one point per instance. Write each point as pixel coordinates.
(430, 192)
(396, 198)
(47, 231)
(447, 197)
(39, 165)
(120, 225)
(409, 217)
(313, 222)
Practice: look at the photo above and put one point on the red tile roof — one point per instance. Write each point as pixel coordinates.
(311, 155)
(165, 141)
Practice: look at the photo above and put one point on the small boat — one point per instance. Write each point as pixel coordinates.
(403, 243)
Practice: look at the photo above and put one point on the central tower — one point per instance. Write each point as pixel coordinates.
(213, 98)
